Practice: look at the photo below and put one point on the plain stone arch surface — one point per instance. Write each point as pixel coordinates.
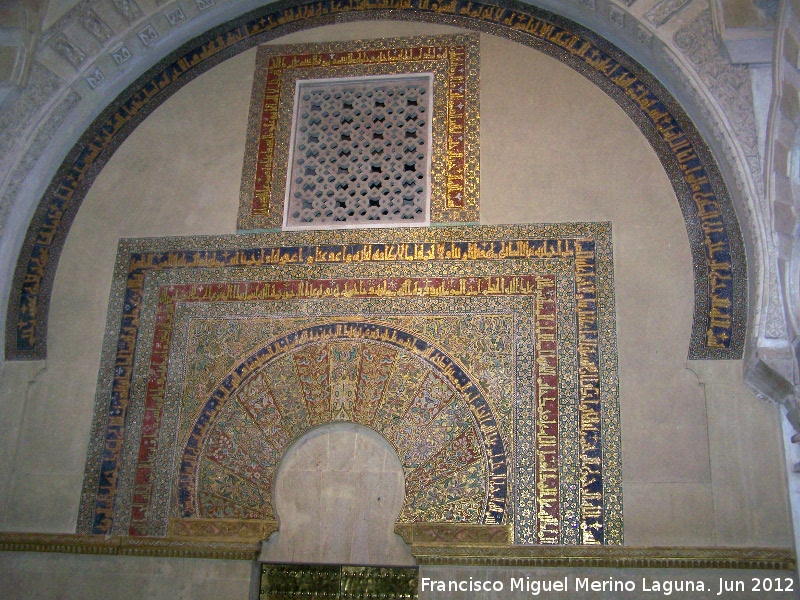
(337, 493)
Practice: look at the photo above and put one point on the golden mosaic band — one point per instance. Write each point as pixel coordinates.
(70, 543)
(223, 530)
(453, 534)
(780, 559)
(467, 553)
(426, 534)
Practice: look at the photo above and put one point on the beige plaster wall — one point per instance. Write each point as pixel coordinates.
(31, 575)
(81, 577)
(553, 148)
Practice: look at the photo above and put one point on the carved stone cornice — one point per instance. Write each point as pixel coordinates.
(462, 550)
(607, 557)
(71, 543)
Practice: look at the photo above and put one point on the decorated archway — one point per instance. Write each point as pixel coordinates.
(401, 385)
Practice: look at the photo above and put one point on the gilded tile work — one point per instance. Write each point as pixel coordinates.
(454, 63)
(400, 384)
(485, 355)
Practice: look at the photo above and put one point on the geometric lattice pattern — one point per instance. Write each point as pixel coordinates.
(370, 133)
(360, 153)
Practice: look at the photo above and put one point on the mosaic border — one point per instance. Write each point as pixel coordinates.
(772, 559)
(455, 152)
(595, 504)
(235, 530)
(210, 290)
(720, 264)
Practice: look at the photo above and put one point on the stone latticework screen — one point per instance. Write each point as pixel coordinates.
(436, 134)
(360, 153)
(486, 356)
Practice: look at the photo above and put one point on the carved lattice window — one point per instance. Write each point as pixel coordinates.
(360, 152)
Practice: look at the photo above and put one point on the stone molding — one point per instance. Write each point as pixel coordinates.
(478, 555)
(774, 373)
(71, 543)
(608, 557)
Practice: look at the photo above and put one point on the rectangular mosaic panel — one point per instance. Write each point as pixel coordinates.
(450, 121)
(485, 355)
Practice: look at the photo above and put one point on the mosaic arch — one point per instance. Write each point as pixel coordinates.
(720, 267)
(404, 387)
(485, 354)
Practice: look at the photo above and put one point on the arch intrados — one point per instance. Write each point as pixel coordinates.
(297, 447)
